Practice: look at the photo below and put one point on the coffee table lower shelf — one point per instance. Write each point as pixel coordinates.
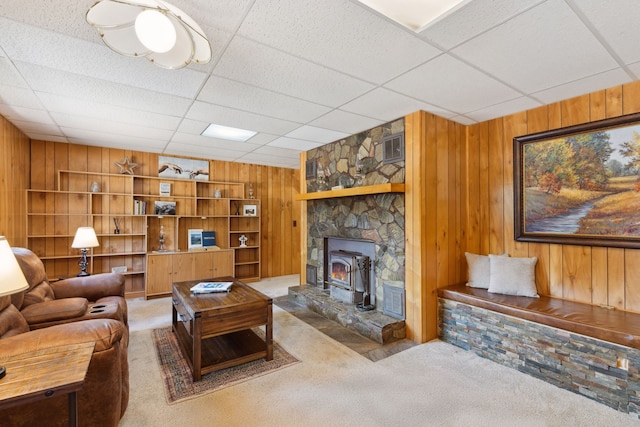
(223, 351)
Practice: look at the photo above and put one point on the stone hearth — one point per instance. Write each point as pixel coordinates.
(374, 325)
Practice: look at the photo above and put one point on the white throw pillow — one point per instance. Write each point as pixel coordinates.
(513, 276)
(478, 270)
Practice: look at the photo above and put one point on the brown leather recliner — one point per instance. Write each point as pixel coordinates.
(46, 304)
(104, 397)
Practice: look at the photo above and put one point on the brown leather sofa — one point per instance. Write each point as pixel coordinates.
(46, 304)
(104, 397)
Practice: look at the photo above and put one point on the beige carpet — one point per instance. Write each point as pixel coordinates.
(177, 378)
(432, 384)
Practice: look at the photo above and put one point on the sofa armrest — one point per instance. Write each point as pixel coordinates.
(55, 310)
(104, 332)
(90, 287)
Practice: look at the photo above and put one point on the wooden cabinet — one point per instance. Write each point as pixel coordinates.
(163, 269)
(122, 210)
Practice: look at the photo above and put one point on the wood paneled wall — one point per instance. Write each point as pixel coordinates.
(275, 187)
(434, 217)
(14, 179)
(594, 275)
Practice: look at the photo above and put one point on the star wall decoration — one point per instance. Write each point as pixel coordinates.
(126, 166)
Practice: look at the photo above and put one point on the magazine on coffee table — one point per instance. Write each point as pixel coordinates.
(210, 287)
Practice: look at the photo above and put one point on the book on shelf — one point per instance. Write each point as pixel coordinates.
(139, 207)
(210, 287)
(208, 238)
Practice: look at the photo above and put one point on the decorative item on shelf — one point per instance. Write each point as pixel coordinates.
(12, 279)
(176, 167)
(194, 236)
(165, 189)
(249, 210)
(321, 180)
(164, 208)
(243, 241)
(95, 187)
(120, 269)
(151, 29)
(161, 239)
(360, 174)
(126, 166)
(251, 195)
(217, 194)
(116, 223)
(237, 205)
(84, 239)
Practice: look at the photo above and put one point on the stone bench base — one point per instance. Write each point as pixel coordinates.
(603, 371)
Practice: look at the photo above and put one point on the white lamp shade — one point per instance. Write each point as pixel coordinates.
(85, 238)
(116, 21)
(12, 279)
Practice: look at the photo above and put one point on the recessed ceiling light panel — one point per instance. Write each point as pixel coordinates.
(229, 133)
(414, 14)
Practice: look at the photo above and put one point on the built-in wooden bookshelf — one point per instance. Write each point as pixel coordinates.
(102, 200)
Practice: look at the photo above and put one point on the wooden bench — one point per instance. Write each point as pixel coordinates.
(590, 350)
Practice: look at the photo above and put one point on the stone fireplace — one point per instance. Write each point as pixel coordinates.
(344, 223)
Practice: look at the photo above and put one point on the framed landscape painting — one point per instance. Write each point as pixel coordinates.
(580, 184)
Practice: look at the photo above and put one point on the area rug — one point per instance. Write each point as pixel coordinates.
(177, 378)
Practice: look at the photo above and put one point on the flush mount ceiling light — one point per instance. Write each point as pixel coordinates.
(414, 14)
(226, 132)
(151, 29)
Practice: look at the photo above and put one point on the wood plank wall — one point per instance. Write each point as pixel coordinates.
(595, 275)
(14, 179)
(434, 217)
(275, 187)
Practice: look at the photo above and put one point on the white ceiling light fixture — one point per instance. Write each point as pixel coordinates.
(226, 132)
(415, 14)
(151, 29)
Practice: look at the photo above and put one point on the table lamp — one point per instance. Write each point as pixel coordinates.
(85, 238)
(12, 279)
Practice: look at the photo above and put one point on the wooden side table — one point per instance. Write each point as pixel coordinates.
(46, 373)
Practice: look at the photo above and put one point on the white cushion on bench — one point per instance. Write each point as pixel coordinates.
(513, 276)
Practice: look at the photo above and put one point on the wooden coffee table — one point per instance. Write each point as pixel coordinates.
(214, 330)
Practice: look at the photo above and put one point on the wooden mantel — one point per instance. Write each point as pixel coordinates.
(353, 191)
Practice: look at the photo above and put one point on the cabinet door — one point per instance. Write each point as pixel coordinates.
(159, 274)
(222, 263)
(202, 265)
(183, 265)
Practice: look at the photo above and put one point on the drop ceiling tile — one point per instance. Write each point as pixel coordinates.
(9, 76)
(35, 136)
(59, 82)
(473, 19)
(452, 85)
(343, 121)
(340, 36)
(262, 139)
(270, 160)
(580, 87)
(19, 97)
(28, 44)
(185, 149)
(79, 107)
(244, 97)
(316, 134)
(635, 68)
(41, 128)
(277, 151)
(106, 139)
(112, 127)
(212, 143)
(617, 22)
(541, 48)
(463, 120)
(293, 144)
(34, 115)
(202, 111)
(274, 70)
(503, 109)
(386, 105)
